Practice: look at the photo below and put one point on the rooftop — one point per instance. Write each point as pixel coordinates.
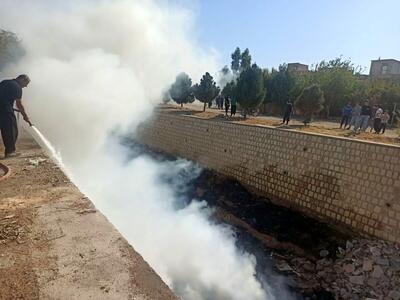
(299, 64)
(387, 59)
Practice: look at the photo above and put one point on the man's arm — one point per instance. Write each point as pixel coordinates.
(21, 109)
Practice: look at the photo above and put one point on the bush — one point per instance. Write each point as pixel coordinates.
(181, 89)
(207, 90)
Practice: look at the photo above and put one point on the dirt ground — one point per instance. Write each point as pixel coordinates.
(318, 127)
(54, 244)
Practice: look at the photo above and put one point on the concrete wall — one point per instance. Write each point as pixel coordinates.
(393, 68)
(350, 182)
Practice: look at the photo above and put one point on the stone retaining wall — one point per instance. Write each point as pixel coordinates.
(351, 182)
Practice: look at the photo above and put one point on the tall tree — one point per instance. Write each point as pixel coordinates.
(181, 89)
(279, 83)
(250, 89)
(236, 56)
(10, 48)
(359, 93)
(207, 90)
(310, 102)
(337, 80)
(387, 94)
(245, 61)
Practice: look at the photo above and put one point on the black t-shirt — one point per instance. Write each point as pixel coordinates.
(365, 110)
(289, 108)
(10, 90)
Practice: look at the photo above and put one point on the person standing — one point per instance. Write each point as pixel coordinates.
(346, 115)
(227, 104)
(10, 92)
(364, 117)
(385, 119)
(233, 106)
(220, 102)
(355, 115)
(288, 113)
(378, 120)
(372, 117)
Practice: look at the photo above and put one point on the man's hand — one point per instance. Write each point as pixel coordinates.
(26, 119)
(21, 109)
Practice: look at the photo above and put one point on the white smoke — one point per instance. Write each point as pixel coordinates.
(98, 67)
(225, 76)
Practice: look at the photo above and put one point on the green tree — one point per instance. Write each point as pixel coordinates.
(10, 48)
(207, 90)
(310, 102)
(245, 61)
(229, 89)
(181, 89)
(337, 80)
(299, 82)
(387, 94)
(236, 56)
(359, 92)
(250, 89)
(279, 84)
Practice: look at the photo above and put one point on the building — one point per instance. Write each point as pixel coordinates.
(297, 67)
(385, 69)
(362, 76)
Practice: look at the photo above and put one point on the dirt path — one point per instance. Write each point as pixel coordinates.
(54, 244)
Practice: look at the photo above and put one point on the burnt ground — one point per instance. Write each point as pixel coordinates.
(286, 244)
(274, 234)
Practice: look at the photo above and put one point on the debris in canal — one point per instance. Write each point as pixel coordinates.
(294, 252)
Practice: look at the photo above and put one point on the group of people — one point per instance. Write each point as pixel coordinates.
(360, 116)
(364, 116)
(227, 102)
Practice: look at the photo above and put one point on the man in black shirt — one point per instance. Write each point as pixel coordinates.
(364, 117)
(10, 92)
(288, 113)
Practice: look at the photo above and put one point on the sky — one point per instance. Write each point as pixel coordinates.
(305, 31)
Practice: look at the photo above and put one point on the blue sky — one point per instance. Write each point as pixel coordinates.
(305, 31)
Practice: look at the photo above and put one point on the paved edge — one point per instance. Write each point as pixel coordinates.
(71, 248)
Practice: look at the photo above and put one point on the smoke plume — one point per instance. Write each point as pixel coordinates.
(98, 67)
(225, 76)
